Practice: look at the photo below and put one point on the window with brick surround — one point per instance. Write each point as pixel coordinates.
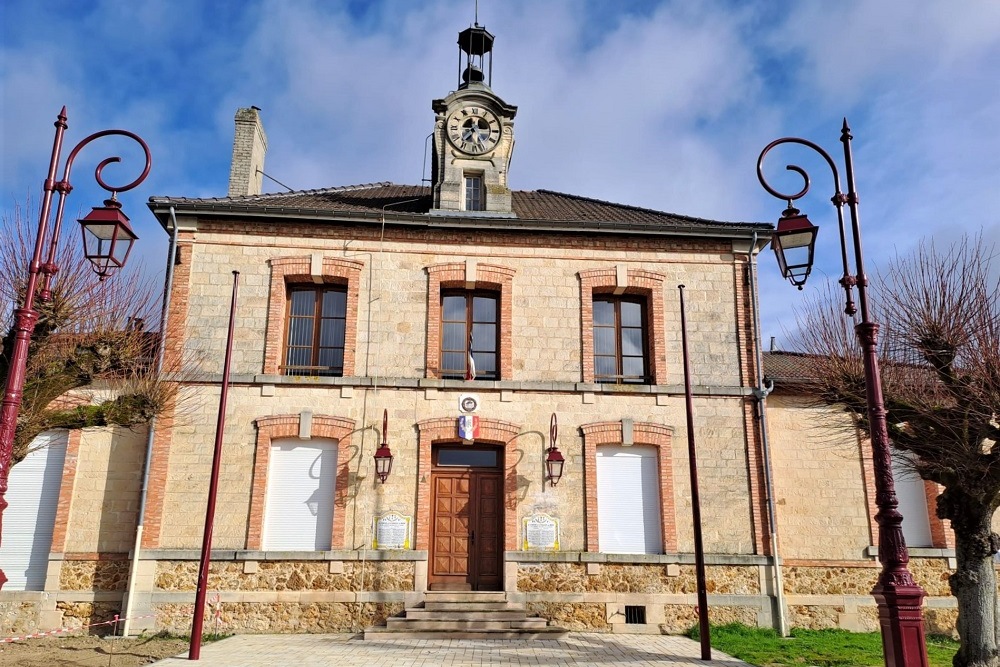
(620, 340)
(333, 342)
(634, 458)
(315, 331)
(481, 306)
(622, 330)
(469, 330)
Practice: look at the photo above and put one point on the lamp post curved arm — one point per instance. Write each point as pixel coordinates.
(109, 225)
(898, 596)
(847, 281)
(64, 187)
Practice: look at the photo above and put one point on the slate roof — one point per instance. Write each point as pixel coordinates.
(789, 367)
(401, 201)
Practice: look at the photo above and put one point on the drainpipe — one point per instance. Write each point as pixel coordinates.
(760, 393)
(143, 493)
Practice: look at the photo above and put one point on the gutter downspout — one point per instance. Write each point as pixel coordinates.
(760, 393)
(143, 493)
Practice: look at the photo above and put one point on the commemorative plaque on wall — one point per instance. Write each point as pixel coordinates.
(541, 533)
(391, 531)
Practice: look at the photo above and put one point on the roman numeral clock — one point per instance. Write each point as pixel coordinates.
(473, 130)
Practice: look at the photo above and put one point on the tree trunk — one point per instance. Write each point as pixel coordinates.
(974, 583)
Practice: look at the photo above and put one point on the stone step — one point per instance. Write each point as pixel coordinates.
(438, 624)
(465, 596)
(463, 614)
(471, 606)
(549, 632)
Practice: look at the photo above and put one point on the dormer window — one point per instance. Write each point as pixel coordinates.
(475, 198)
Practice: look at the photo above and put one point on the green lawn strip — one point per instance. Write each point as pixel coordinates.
(825, 648)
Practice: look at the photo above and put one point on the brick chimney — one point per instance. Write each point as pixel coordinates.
(249, 147)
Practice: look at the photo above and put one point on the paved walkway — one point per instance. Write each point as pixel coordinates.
(342, 650)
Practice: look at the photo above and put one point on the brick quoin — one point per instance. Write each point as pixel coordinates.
(445, 430)
(488, 277)
(291, 271)
(745, 336)
(640, 283)
(66, 488)
(287, 426)
(173, 361)
(643, 433)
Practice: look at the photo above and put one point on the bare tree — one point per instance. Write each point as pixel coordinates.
(940, 355)
(90, 332)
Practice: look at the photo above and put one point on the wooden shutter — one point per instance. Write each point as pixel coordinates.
(32, 494)
(298, 510)
(628, 500)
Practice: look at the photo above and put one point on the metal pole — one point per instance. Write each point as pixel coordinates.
(699, 549)
(26, 317)
(897, 594)
(194, 651)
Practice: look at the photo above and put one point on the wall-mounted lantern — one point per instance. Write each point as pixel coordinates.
(383, 455)
(554, 460)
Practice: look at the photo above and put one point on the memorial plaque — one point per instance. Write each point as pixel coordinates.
(392, 531)
(541, 533)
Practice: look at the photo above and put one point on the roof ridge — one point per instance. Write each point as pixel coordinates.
(630, 207)
(315, 191)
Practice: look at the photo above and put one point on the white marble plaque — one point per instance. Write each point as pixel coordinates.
(541, 533)
(391, 531)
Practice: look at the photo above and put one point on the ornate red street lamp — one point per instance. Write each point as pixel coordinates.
(108, 239)
(898, 596)
(383, 455)
(554, 460)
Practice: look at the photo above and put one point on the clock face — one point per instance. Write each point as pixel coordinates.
(473, 130)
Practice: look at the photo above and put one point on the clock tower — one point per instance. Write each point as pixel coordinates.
(473, 137)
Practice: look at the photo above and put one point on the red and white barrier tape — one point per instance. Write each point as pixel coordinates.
(48, 633)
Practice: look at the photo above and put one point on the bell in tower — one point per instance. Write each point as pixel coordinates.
(473, 136)
(474, 44)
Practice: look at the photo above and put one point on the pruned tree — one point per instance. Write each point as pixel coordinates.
(89, 333)
(940, 357)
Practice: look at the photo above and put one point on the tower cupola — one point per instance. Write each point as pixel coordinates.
(474, 44)
(473, 136)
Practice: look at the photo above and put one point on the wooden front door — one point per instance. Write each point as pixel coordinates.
(466, 529)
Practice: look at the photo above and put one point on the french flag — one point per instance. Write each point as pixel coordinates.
(470, 367)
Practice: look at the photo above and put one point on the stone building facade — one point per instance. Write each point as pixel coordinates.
(413, 307)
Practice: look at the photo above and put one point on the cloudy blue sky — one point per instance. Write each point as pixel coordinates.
(664, 105)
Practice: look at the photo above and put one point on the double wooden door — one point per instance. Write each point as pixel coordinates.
(466, 530)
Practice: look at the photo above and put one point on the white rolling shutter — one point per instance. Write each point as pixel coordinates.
(628, 500)
(298, 510)
(32, 496)
(912, 505)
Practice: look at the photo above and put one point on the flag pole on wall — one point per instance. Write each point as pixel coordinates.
(194, 650)
(699, 549)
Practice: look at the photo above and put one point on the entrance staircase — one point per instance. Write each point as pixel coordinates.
(466, 615)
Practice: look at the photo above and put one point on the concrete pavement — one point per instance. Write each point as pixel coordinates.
(345, 650)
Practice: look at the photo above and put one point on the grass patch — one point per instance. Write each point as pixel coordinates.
(825, 648)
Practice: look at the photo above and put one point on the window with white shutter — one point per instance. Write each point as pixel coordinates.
(628, 500)
(912, 505)
(298, 509)
(32, 496)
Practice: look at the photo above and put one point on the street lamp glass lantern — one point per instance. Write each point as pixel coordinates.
(383, 462)
(794, 242)
(107, 238)
(554, 463)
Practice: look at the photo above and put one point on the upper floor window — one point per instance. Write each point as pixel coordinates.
(475, 199)
(620, 340)
(317, 319)
(469, 340)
